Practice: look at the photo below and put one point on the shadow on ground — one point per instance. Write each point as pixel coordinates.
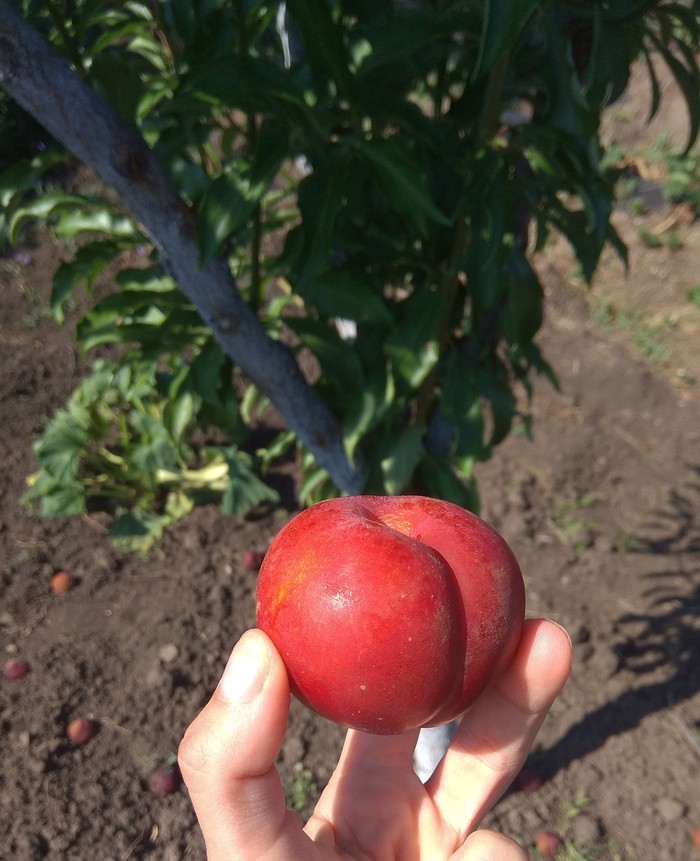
(659, 647)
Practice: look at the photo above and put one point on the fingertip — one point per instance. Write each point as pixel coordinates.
(247, 668)
(541, 666)
(548, 635)
(551, 644)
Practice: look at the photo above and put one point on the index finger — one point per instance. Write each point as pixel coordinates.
(496, 734)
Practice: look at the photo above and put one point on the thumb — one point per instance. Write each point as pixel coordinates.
(227, 756)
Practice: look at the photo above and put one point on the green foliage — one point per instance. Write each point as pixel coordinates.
(647, 336)
(678, 182)
(122, 441)
(681, 182)
(387, 177)
(302, 789)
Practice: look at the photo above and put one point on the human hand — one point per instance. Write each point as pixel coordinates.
(374, 807)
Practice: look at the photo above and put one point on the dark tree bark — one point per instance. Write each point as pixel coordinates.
(43, 83)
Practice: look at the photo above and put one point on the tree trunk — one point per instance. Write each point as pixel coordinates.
(42, 83)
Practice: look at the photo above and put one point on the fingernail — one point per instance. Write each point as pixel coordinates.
(246, 670)
(568, 635)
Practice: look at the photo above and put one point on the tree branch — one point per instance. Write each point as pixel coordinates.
(42, 83)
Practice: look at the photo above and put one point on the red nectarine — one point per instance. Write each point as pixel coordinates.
(164, 781)
(15, 669)
(62, 582)
(81, 730)
(252, 559)
(548, 844)
(390, 613)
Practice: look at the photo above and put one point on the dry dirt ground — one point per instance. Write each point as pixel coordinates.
(602, 508)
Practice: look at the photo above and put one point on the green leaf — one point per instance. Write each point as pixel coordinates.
(688, 80)
(155, 331)
(523, 311)
(608, 69)
(403, 181)
(272, 147)
(342, 372)
(25, 175)
(568, 109)
(97, 220)
(340, 293)
(134, 302)
(503, 23)
(252, 84)
(366, 409)
(118, 78)
(575, 226)
(494, 386)
(398, 38)
(129, 525)
(245, 490)
(41, 208)
(415, 125)
(321, 197)
(137, 530)
(323, 41)
(254, 403)
(155, 449)
(64, 500)
(86, 266)
(412, 346)
(655, 102)
(437, 478)
(280, 445)
(134, 380)
(224, 209)
(178, 415)
(315, 486)
(205, 374)
(460, 404)
(119, 34)
(399, 464)
(59, 447)
(93, 387)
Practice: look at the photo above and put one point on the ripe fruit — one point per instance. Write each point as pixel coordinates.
(547, 843)
(62, 582)
(15, 669)
(390, 613)
(528, 780)
(81, 730)
(252, 560)
(164, 781)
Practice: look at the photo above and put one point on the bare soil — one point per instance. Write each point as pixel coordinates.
(602, 508)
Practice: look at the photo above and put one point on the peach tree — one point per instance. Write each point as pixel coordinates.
(324, 207)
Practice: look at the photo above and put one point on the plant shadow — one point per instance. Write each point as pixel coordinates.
(660, 646)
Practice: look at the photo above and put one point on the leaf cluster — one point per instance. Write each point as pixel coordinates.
(376, 175)
(121, 443)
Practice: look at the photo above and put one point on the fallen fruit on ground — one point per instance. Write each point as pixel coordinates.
(62, 582)
(15, 669)
(81, 730)
(548, 844)
(390, 613)
(528, 780)
(164, 781)
(252, 560)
